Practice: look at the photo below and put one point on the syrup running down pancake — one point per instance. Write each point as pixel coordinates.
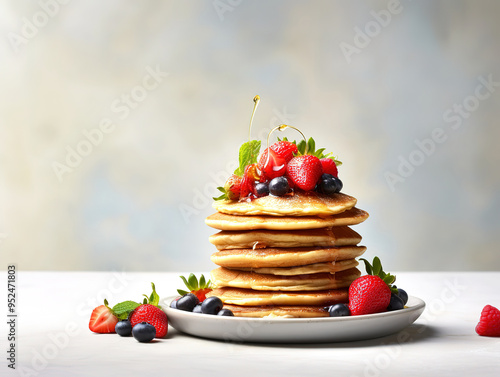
(223, 277)
(334, 236)
(273, 257)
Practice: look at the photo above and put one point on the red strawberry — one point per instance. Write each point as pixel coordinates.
(368, 294)
(371, 293)
(271, 164)
(233, 187)
(329, 166)
(102, 320)
(285, 149)
(489, 323)
(248, 181)
(198, 288)
(304, 171)
(152, 315)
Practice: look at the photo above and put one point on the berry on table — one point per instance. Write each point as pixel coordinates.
(339, 310)
(151, 313)
(489, 323)
(144, 332)
(124, 328)
(103, 320)
(212, 305)
(279, 186)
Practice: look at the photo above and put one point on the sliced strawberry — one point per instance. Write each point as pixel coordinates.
(329, 166)
(304, 171)
(102, 320)
(271, 164)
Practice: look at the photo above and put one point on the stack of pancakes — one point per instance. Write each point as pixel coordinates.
(285, 256)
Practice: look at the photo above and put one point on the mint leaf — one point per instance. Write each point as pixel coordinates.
(123, 309)
(247, 155)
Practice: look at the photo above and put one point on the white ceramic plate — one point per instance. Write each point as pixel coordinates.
(293, 330)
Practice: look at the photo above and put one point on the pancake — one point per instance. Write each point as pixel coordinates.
(272, 257)
(223, 277)
(302, 203)
(224, 221)
(333, 236)
(316, 268)
(278, 311)
(249, 297)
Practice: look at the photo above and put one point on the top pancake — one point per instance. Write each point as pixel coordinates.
(308, 203)
(224, 221)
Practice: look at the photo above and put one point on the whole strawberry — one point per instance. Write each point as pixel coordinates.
(199, 288)
(151, 313)
(371, 293)
(285, 149)
(233, 187)
(489, 323)
(304, 171)
(329, 166)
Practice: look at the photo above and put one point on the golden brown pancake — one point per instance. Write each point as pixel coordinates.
(307, 203)
(316, 268)
(223, 277)
(334, 236)
(249, 297)
(273, 257)
(224, 221)
(278, 311)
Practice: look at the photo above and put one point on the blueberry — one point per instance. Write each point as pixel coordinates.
(226, 313)
(124, 328)
(144, 332)
(187, 302)
(403, 295)
(395, 304)
(173, 304)
(211, 305)
(262, 189)
(279, 186)
(197, 309)
(328, 184)
(339, 310)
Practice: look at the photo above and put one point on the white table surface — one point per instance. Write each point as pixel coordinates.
(54, 339)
